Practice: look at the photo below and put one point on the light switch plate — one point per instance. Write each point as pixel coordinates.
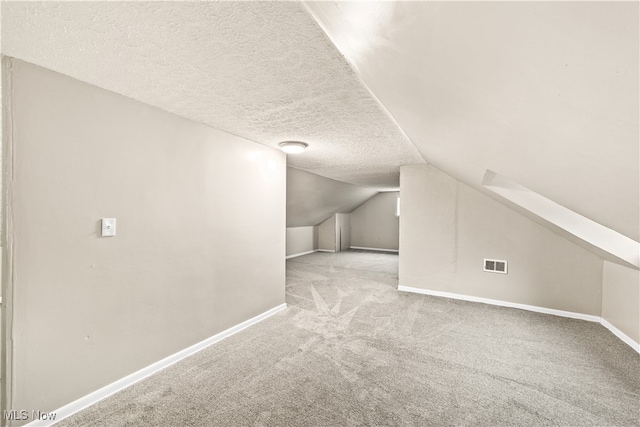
(108, 227)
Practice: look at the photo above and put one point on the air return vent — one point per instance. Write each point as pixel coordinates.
(495, 266)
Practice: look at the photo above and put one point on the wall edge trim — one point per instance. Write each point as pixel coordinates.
(325, 250)
(544, 310)
(570, 314)
(108, 390)
(621, 335)
(374, 249)
(301, 253)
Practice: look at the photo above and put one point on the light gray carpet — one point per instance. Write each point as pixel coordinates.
(384, 262)
(352, 350)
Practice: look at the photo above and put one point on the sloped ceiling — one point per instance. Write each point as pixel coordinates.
(545, 93)
(311, 199)
(261, 70)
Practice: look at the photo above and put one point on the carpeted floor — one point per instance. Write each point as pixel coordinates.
(352, 350)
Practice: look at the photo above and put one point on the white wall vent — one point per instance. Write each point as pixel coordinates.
(495, 266)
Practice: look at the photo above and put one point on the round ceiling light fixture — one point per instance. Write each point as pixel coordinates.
(293, 147)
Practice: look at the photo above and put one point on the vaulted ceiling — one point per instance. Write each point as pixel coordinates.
(311, 199)
(545, 93)
(261, 70)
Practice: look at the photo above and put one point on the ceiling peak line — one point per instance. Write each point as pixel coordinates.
(357, 73)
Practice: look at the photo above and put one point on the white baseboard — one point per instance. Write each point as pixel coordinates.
(301, 253)
(143, 373)
(373, 249)
(590, 318)
(544, 310)
(624, 337)
(325, 250)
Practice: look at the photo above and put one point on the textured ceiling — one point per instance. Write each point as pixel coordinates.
(261, 70)
(544, 93)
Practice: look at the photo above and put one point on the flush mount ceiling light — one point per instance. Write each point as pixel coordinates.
(293, 147)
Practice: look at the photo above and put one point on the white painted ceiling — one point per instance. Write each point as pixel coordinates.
(544, 93)
(261, 70)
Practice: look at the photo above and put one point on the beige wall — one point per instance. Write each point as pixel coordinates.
(301, 239)
(200, 235)
(5, 314)
(621, 298)
(448, 228)
(311, 198)
(375, 224)
(343, 231)
(427, 229)
(545, 269)
(327, 234)
(333, 231)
